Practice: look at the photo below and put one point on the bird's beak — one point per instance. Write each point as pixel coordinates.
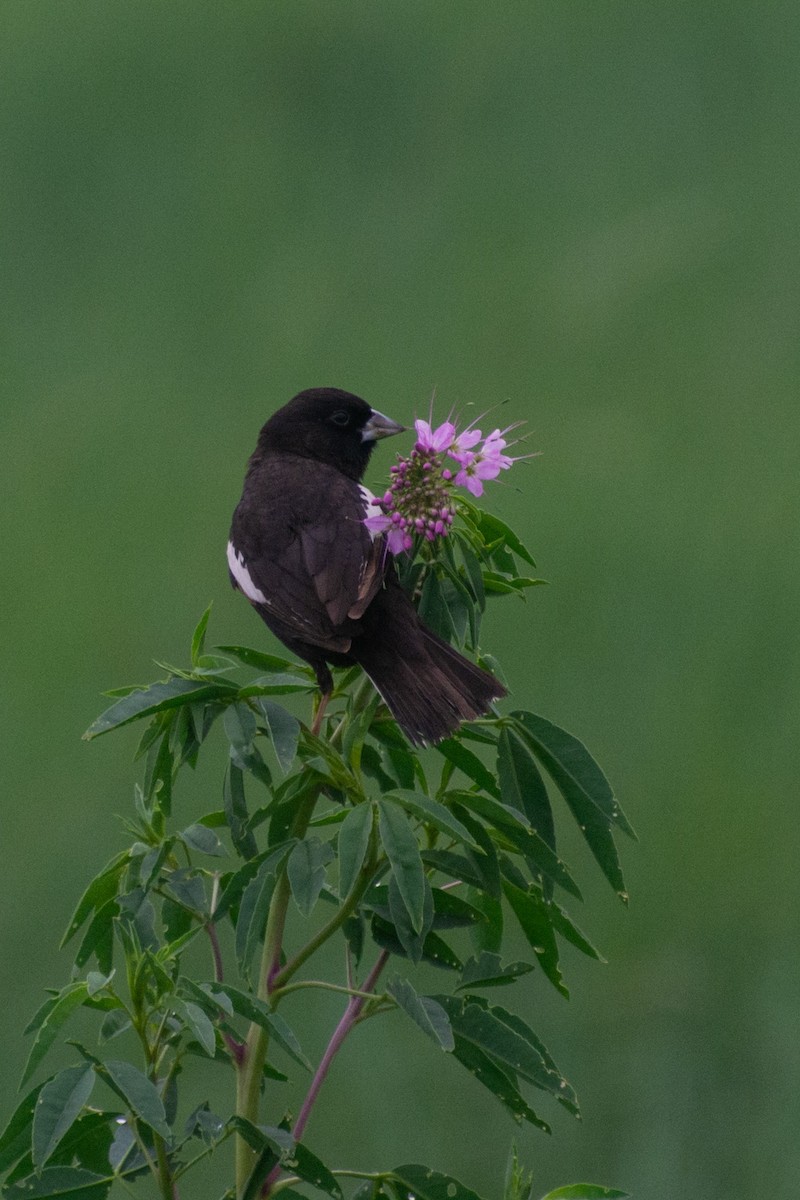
(379, 426)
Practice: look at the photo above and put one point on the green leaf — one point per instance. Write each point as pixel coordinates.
(501, 1083)
(238, 882)
(487, 971)
(521, 784)
(283, 730)
(99, 938)
(495, 530)
(566, 1093)
(265, 662)
(59, 1104)
(157, 698)
(257, 1011)
(585, 1191)
(525, 839)
(434, 950)
(115, 1022)
(140, 1095)
(413, 940)
(424, 1011)
(533, 913)
(102, 888)
(199, 637)
(432, 813)
(277, 685)
(354, 838)
(240, 724)
(306, 871)
(313, 1171)
(15, 1139)
(236, 814)
(425, 1184)
(483, 1026)
(470, 764)
(203, 839)
(584, 787)
(401, 847)
(252, 919)
(433, 609)
(198, 1023)
(50, 1020)
(73, 1183)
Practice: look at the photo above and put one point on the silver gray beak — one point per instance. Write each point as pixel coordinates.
(379, 426)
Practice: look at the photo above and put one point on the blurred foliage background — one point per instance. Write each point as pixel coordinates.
(585, 210)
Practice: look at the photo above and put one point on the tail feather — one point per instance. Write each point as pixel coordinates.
(431, 688)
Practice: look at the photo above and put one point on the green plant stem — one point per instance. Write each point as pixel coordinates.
(169, 1189)
(251, 1069)
(348, 906)
(328, 987)
(255, 1049)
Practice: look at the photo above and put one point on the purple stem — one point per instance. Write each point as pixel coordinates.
(351, 1014)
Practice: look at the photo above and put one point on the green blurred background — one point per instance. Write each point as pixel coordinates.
(586, 210)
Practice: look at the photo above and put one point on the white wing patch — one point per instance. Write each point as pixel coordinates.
(242, 576)
(371, 508)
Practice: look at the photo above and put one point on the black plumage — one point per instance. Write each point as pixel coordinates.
(323, 584)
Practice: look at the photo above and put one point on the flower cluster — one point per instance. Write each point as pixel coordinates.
(420, 499)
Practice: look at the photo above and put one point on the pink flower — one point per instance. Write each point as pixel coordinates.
(434, 441)
(465, 441)
(485, 463)
(419, 502)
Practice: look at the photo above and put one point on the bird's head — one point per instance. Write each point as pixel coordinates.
(330, 426)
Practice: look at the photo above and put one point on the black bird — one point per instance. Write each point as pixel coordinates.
(324, 585)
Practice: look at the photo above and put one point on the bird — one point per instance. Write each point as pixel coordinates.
(325, 585)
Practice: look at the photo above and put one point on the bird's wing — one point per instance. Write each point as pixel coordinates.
(302, 550)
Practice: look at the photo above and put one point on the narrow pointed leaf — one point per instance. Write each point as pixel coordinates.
(72, 997)
(525, 839)
(158, 697)
(201, 838)
(283, 730)
(432, 813)
(425, 1184)
(197, 1021)
(102, 888)
(501, 1083)
(566, 1093)
(141, 1096)
(71, 1183)
(354, 836)
(479, 1024)
(252, 919)
(257, 1011)
(265, 662)
(434, 950)
(58, 1107)
(199, 637)
(487, 971)
(311, 1169)
(305, 868)
(585, 1191)
(15, 1139)
(522, 785)
(533, 913)
(413, 940)
(401, 847)
(236, 814)
(469, 764)
(424, 1011)
(572, 767)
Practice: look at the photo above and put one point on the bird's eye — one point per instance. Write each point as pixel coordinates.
(340, 418)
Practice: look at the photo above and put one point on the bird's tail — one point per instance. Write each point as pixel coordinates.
(431, 693)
